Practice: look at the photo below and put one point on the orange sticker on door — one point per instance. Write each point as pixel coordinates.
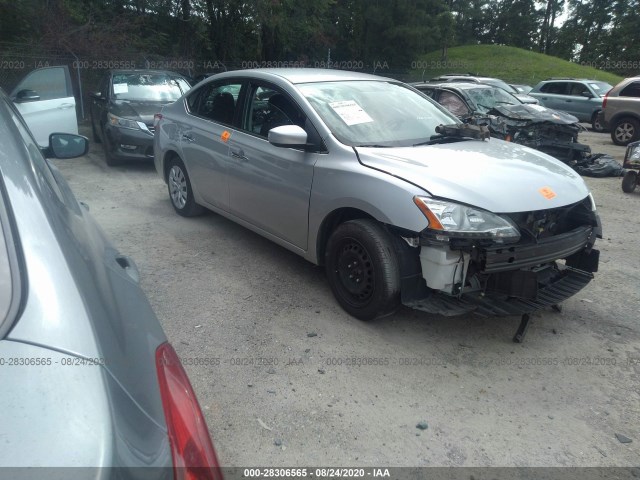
(547, 193)
(226, 135)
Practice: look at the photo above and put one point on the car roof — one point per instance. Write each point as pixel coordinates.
(453, 85)
(144, 72)
(303, 75)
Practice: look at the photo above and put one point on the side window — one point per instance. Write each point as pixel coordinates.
(453, 103)
(269, 108)
(215, 102)
(631, 90)
(577, 89)
(429, 92)
(554, 87)
(49, 83)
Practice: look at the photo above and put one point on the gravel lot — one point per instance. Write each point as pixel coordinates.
(286, 378)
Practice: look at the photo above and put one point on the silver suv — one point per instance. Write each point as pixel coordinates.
(581, 98)
(621, 111)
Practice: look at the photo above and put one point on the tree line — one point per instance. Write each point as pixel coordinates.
(604, 33)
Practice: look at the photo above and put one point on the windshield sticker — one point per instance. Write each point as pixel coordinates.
(547, 193)
(595, 86)
(350, 112)
(120, 88)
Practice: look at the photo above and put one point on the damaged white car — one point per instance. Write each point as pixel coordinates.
(401, 202)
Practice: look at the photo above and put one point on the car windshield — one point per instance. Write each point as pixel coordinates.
(148, 87)
(488, 98)
(375, 113)
(501, 84)
(601, 88)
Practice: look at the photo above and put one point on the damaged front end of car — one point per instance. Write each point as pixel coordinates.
(500, 264)
(549, 131)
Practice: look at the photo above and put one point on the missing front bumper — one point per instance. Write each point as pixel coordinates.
(565, 284)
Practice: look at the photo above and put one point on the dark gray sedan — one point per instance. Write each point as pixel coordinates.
(88, 377)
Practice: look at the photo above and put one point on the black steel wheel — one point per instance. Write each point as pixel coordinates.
(362, 268)
(629, 181)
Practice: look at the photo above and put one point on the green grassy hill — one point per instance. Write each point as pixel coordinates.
(509, 63)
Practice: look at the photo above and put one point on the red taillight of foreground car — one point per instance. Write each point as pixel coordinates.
(604, 101)
(191, 446)
(156, 119)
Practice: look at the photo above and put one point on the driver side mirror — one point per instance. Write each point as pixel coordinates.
(24, 96)
(587, 94)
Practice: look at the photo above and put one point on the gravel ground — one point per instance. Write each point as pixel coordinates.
(286, 378)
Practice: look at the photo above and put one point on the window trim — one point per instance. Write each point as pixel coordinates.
(237, 116)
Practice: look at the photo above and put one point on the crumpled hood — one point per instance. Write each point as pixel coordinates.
(535, 114)
(494, 175)
(137, 110)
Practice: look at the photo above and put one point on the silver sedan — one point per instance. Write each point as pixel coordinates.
(400, 201)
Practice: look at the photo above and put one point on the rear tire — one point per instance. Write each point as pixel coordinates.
(362, 269)
(625, 131)
(595, 123)
(180, 191)
(629, 181)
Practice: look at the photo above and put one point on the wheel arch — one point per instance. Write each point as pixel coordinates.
(168, 156)
(340, 215)
(620, 115)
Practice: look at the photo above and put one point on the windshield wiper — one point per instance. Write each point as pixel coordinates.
(457, 132)
(373, 145)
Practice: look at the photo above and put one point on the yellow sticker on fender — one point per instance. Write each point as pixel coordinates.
(226, 135)
(547, 193)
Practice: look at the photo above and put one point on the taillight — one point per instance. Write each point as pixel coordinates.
(191, 447)
(604, 102)
(156, 119)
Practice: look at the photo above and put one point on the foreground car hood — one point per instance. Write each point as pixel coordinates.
(535, 114)
(494, 175)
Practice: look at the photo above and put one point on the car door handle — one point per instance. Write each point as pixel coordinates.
(544, 98)
(239, 154)
(129, 267)
(569, 101)
(188, 138)
(64, 106)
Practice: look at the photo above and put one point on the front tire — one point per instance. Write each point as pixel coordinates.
(629, 181)
(625, 131)
(180, 191)
(362, 269)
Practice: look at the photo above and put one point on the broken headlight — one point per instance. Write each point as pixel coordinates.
(453, 220)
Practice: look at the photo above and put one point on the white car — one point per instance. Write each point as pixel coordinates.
(46, 101)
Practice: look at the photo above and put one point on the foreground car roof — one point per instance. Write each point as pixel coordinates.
(304, 75)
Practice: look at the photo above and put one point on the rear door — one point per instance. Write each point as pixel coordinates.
(553, 95)
(46, 101)
(213, 111)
